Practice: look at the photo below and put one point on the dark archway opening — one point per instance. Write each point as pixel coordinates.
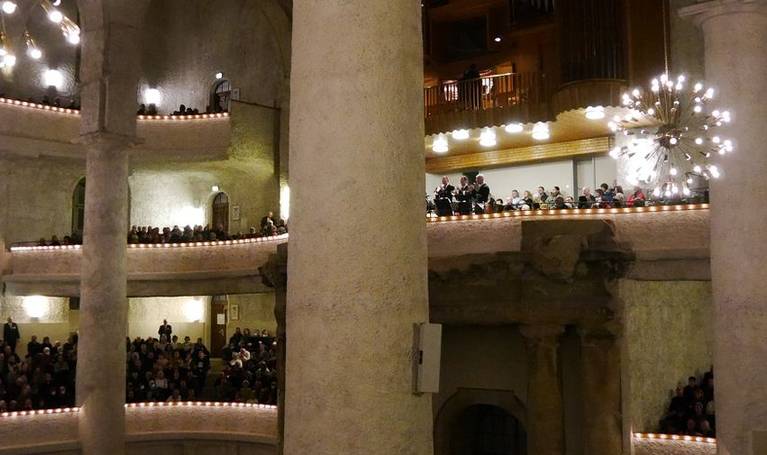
(220, 212)
(488, 430)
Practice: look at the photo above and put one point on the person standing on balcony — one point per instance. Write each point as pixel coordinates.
(481, 193)
(443, 197)
(470, 88)
(11, 334)
(463, 195)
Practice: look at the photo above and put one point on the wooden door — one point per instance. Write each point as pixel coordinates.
(220, 212)
(218, 316)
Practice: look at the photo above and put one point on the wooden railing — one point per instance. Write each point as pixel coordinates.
(485, 101)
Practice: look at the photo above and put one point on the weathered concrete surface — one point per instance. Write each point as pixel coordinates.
(736, 59)
(357, 283)
(669, 447)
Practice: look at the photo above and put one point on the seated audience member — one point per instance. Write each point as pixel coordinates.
(619, 199)
(152, 109)
(269, 217)
(181, 110)
(636, 199)
(540, 197)
(586, 199)
(608, 194)
(141, 110)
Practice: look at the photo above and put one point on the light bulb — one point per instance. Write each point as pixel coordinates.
(685, 190)
(487, 138)
(440, 144)
(673, 141)
(673, 171)
(9, 7)
(513, 128)
(699, 140)
(698, 87)
(697, 109)
(73, 38)
(55, 16)
(541, 131)
(53, 78)
(595, 113)
(219, 75)
(696, 169)
(635, 92)
(34, 53)
(9, 60)
(460, 135)
(716, 139)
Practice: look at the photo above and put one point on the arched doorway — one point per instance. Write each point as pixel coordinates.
(78, 207)
(481, 421)
(220, 96)
(220, 212)
(483, 429)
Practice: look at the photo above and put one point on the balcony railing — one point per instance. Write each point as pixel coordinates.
(491, 100)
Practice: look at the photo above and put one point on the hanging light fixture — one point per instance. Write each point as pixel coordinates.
(460, 135)
(487, 138)
(681, 139)
(514, 128)
(440, 144)
(595, 112)
(541, 131)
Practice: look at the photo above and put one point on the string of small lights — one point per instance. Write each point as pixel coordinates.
(61, 110)
(151, 404)
(675, 437)
(274, 238)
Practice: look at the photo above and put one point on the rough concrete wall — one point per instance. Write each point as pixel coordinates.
(668, 333)
(36, 197)
(188, 41)
(189, 316)
(658, 447)
(181, 193)
(491, 358)
(686, 43)
(256, 312)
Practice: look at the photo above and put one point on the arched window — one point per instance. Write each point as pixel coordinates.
(78, 207)
(220, 211)
(220, 96)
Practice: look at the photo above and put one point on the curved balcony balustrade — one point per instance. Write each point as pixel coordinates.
(665, 243)
(151, 428)
(486, 101)
(35, 129)
(205, 268)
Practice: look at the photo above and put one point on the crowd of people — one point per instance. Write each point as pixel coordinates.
(56, 102)
(691, 411)
(250, 374)
(166, 368)
(44, 378)
(151, 109)
(162, 368)
(476, 198)
(188, 234)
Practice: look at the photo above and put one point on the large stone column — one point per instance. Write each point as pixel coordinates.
(104, 302)
(545, 415)
(109, 74)
(601, 392)
(357, 261)
(736, 62)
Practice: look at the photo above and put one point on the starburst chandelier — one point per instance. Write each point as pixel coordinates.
(672, 135)
(69, 29)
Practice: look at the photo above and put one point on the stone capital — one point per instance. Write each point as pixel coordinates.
(700, 13)
(107, 142)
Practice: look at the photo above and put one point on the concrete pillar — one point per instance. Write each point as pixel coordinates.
(736, 61)
(357, 262)
(545, 415)
(109, 78)
(601, 392)
(104, 302)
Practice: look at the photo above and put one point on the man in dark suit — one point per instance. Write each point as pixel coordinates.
(443, 197)
(481, 193)
(265, 220)
(165, 329)
(11, 334)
